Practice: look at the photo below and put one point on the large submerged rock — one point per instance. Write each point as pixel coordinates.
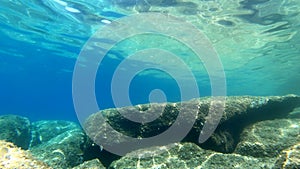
(240, 111)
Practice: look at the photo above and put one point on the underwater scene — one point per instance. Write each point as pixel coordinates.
(159, 84)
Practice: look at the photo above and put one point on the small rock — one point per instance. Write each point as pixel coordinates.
(92, 164)
(15, 129)
(43, 131)
(65, 149)
(12, 157)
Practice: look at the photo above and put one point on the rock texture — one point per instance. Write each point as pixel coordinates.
(188, 155)
(92, 164)
(43, 131)
(12, 157)
(15, 129)
(289, 158)
(62, 145)
(269, 138)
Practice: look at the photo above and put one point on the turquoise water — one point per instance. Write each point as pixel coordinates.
(257, 42)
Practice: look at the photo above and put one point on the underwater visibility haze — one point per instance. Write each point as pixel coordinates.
(257, 43)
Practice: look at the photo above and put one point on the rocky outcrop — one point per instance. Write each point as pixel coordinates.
(253, 132)
(240, 111)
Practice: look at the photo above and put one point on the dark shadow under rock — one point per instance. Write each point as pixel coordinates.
(242, 111)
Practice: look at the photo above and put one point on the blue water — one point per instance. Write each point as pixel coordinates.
(258, 45)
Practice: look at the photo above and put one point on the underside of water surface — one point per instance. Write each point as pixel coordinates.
(257, 43)
(68, 59)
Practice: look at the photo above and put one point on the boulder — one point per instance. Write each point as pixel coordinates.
(240, 111)
(15, 129)
(62, 145)
(44, 130)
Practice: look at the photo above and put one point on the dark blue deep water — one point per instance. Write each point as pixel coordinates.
(257, 42)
